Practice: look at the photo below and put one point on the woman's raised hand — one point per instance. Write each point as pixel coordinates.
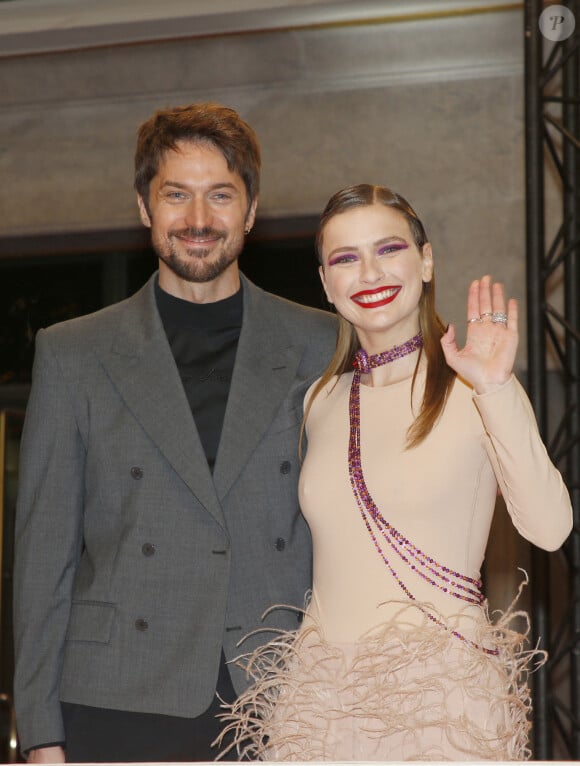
(487, 359)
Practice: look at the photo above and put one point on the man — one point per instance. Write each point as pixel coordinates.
(157, 514)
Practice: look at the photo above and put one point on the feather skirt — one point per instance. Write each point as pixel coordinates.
(408, 690)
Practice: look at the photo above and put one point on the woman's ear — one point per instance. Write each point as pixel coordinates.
(323, 280)
(427, 263)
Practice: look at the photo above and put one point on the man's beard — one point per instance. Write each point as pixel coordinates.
(200, 264)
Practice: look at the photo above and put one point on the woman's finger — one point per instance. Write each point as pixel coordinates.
(485, 300)
(512, 315)
(473, 302)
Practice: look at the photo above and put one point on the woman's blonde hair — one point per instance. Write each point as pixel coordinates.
(440, 377)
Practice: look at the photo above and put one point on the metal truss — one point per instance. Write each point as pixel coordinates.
(552, 133)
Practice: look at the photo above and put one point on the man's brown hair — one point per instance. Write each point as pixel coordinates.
(209, 123)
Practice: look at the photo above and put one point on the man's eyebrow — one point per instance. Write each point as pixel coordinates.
(220, 185)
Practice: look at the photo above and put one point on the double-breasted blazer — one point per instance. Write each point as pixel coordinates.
(134, 565)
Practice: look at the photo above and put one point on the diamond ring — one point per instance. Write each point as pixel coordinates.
(499, 317)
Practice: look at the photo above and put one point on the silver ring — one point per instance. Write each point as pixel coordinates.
(499, 317)
(474, 319)
(485, 315)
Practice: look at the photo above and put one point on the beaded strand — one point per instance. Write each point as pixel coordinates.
(439, 576)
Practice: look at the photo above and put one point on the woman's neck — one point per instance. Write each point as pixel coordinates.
(401, 369)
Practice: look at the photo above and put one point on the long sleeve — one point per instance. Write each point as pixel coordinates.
(535, 495)
(47, 546)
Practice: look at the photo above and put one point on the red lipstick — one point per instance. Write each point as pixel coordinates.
(380, 296)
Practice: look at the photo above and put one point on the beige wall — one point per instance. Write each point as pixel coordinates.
(430, 105)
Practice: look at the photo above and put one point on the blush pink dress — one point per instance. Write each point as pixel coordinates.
(372, 674)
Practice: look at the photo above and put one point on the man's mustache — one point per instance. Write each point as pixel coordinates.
(192, 233)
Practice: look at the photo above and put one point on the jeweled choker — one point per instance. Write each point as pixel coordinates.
(445, 579)
(365, 363)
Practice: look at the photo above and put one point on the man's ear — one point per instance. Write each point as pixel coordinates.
(251, 215)
(145, 217)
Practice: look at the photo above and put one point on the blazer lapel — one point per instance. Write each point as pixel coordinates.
(265, 367)
(141, 366)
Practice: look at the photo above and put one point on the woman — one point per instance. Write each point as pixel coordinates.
(396, 658)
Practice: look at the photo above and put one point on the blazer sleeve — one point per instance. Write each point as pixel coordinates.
(534, 492)
(48, 538)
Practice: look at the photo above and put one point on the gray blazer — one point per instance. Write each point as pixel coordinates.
(134, 566)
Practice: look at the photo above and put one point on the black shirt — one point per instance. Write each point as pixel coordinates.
(204, 340)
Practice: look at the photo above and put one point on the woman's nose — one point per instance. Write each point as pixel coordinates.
(371, 270)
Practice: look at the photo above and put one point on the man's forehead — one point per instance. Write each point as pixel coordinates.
(183, 147)
(185, 151)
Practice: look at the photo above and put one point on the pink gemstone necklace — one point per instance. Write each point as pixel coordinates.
(445, 579)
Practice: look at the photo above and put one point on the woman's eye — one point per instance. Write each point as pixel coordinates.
(346, 258)
(390, 249)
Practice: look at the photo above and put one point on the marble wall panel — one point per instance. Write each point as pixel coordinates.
(432, 107)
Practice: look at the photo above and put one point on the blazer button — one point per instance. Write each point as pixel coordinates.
(285, 467)
(148, 549)
(136, 472)
(280, 544)
(141, 624)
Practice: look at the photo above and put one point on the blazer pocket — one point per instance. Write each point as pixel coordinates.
(91, 621)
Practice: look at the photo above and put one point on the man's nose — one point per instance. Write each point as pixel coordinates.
(198, 214)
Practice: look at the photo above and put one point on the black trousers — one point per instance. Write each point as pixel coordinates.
(98, 735)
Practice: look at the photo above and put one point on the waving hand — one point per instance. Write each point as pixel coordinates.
(487, 359)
